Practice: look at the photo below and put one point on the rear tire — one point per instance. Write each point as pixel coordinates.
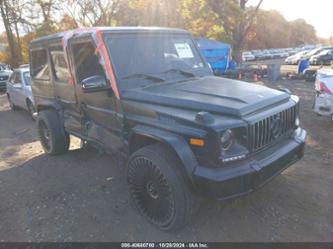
(159, 189)
(53, 137)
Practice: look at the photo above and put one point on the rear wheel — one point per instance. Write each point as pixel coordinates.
(158, 188)
(53, 137)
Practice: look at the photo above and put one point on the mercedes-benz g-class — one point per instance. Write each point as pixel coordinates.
(148, 94)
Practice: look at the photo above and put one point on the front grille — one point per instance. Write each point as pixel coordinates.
(2, 78)
(270, 129)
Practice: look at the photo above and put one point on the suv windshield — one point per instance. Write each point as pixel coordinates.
(153, 54)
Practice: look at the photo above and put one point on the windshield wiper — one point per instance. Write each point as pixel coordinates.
(184, 72)
(144, 75)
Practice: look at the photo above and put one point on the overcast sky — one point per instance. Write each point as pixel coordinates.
(319, 13)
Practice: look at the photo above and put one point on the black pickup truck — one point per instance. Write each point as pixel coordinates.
(148, 95)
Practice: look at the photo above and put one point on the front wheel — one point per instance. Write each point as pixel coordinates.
(53, 137)
(31, 109)
(158, 187)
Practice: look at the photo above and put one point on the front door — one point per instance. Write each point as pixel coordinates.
(100, 107)
(64, 90)
(16, 91)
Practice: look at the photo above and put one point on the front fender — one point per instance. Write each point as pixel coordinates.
(174, 141)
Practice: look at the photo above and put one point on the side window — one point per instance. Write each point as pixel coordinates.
(59, 64)
(39, 65)
(12, 78)
(18, 79)
(86, 61)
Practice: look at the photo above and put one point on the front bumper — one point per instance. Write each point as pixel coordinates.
(3, 85)
(245, 176)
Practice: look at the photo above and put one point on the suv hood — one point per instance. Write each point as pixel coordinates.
(5, 72)
(212, 94)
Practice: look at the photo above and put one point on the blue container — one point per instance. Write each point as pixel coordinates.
(216, 53)
(302, 65)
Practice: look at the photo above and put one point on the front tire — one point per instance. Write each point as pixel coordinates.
(158, 187)
(53, 137)
(31, 109)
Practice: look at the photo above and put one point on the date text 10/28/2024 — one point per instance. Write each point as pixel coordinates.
(164, 245)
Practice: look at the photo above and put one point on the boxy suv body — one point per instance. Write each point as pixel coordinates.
(148, 94)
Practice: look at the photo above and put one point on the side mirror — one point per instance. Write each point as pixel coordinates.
(93, 83)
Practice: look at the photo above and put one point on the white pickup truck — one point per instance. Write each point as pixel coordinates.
(324, 93)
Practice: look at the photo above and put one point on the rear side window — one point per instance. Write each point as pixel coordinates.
(59, 64)
(39, 65)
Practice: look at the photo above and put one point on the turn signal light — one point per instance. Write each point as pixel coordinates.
(197, 142)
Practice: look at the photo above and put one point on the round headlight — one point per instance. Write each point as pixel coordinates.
(227, 139)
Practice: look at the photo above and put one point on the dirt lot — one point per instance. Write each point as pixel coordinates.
(82, 196)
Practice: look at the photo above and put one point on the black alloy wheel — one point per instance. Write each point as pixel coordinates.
(150, 191)
(159, 188)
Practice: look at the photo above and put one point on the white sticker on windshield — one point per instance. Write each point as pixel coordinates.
(184, 50)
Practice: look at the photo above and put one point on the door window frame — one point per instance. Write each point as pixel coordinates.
(54, 77)
(79, 40)
(47, 61)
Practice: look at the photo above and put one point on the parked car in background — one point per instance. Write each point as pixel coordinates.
(257, 54)
(267, 55)
(248, 56)
(313, 52)
(278, 53)
(324, 93)
(294, 59)
(19, 90)
(325, 57)
(5, 73)
(284, 54)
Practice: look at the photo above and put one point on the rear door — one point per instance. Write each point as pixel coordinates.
(100, 107)
(16, 92)
(64, 91)
(42, 86)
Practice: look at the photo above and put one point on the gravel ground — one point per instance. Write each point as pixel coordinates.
(82, 195)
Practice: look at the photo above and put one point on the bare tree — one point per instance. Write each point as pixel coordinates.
(236, 26)
(94, 12)
(10, 19)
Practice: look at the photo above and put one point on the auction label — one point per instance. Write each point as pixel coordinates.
(164, 245)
